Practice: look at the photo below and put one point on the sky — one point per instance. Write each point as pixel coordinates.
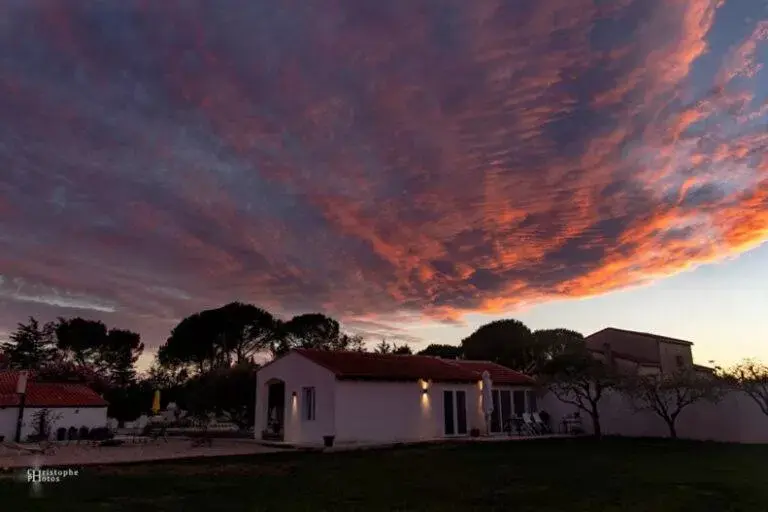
(413, 168)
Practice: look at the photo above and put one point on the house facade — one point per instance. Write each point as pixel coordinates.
(643, 353)
(363, 397)
(69, 405)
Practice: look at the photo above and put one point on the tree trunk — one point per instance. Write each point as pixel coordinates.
(672, 429)
(596, 428)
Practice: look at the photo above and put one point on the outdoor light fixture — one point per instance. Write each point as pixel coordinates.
(293, 395)
(424, 386)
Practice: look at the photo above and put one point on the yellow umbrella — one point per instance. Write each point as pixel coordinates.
(156, 402)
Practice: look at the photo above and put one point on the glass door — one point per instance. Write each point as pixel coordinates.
(455, 412)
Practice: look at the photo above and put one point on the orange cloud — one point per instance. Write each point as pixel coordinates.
(373, 159)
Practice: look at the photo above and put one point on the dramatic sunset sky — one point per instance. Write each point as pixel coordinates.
(413, 168)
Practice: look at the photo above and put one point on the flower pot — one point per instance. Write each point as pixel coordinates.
(475, 432)
(328, 441)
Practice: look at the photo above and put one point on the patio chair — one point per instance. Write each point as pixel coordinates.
(157, 433)
(543, 427)
(530, 425)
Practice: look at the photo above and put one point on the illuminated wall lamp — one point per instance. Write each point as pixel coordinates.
(424, 386)
(293, 395)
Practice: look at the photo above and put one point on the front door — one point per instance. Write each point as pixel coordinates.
(455, 412)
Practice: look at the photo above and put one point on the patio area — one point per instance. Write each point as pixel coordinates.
(85, 454)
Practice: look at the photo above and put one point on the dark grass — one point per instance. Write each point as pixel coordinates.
(543, 476)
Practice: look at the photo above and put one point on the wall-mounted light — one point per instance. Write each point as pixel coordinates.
(424, 386)
(293, 395)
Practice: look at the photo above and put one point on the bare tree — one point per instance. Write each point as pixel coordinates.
(750, 377)
(576, 378)
(669, 395)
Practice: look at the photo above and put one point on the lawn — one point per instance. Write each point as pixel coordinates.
(544, 475)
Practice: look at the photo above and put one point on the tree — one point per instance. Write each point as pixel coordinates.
(30, 346)
(576, 378)
(119, 355)
(443, 351)
(550, 343)
(230, 392)
(220, 337)
(507, 342)
(669, 395)
(314, 331)
(81, 340)
(750, 377)
(111, 353)
(392, 348)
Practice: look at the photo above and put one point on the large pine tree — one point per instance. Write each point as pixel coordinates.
(30, 346)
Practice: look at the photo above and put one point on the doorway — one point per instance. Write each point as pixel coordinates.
(275, 411)
(455, 412)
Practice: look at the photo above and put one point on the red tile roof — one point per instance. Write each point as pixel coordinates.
(367, 365)
(47, 394)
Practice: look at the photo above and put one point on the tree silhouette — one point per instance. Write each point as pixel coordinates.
(443, 351)
(30, 346)
(576, 378)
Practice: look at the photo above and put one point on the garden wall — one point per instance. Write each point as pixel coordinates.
(737, 418)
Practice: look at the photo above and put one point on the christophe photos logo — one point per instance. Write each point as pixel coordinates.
(49, 475)
(39, 478)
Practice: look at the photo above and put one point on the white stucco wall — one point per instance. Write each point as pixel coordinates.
(736, 418)
(8, 417)
(398, 411)
(668, 353)
(91, 417)
(298, 372)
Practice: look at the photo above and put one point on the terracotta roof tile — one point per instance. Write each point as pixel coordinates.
(47, 394)
(367, 365)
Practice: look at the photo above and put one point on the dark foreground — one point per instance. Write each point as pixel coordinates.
(546, 475)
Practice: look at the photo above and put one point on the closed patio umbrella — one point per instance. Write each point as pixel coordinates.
(487, 400)
(156, 402)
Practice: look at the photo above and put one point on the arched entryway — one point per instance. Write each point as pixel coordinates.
(275, 410)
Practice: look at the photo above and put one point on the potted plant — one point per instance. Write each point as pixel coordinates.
(328, 441)
(475, 432)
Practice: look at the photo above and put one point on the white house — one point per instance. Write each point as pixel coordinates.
(70, 405)
(364, 397)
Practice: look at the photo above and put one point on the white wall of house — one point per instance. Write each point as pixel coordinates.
(91, 417)
(358, 410)
(668, 354)
(398, 411)
(8, 416)
(298, 372)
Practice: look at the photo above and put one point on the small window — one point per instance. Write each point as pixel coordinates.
(680, 361)
(308, 395)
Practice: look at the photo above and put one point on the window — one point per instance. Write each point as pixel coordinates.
(680, 362)
(308, 396)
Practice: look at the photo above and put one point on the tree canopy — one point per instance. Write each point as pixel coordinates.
(443, 351)
(31, 345)
(511, 343)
